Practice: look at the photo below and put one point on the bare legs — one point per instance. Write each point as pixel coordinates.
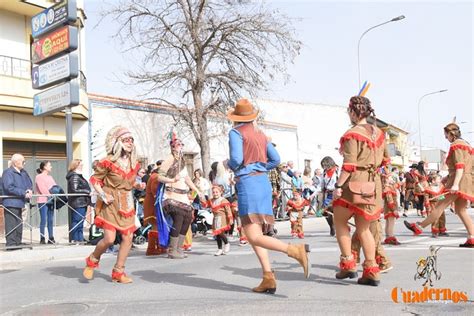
(341, 217)
(389, 224)
(108, 240)
(261, 244)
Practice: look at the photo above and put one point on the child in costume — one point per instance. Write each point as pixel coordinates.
(390, 206)
(295, 212)
(435, 194)
(220, 207)
(234, 206)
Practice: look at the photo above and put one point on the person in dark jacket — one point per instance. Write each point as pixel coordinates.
(16, 183)
(76, 184)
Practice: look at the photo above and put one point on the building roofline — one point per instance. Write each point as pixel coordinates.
(159, 106)
(299, 102)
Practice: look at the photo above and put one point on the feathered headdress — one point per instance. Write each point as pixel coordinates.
(364, 89)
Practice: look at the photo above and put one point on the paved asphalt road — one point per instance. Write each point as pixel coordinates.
(206, 285)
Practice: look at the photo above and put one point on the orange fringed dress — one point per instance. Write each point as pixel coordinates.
(358, 147)
(390, 197)
(120, 214)
(460, 157)
(222, 215)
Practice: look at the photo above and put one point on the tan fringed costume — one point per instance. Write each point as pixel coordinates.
(120, 214)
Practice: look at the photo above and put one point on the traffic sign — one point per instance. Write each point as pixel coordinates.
(61, 40)
(55, 71)
(59, 14)
(56, 99)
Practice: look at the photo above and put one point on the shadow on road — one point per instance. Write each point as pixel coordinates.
(190, 279)
(282, 275)
(71, 272)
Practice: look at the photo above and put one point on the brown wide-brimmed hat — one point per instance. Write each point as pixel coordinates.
(243, 112)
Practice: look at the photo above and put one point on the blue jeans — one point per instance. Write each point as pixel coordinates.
(46, 212)
(77, 222)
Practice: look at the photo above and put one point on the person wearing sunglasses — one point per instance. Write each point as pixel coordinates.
(114, 178)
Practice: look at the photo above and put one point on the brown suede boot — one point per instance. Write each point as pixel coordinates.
(119, 276)
(268, 284)
(348, 268)
(370, 276)
(300, 253)
(91, 264)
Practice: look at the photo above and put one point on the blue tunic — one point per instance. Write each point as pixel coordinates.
(254, 192)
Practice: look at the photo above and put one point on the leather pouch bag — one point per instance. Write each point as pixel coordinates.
(362, 192)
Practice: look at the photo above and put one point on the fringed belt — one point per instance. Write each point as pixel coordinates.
(176, 190)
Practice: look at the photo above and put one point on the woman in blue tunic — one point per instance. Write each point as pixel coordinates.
(252, 155)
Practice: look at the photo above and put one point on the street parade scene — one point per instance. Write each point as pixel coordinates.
(236, 157)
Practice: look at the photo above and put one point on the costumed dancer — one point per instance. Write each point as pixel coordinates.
(295, 209)
(459, 186)
(252, 155)
(149, 217)
(223, 218)
(234, 206)
(390, 206)
(410, 180)
(435, 194)
(363, 148)
(172, 200)
(421, 183)
(330, 176)
(113, 179)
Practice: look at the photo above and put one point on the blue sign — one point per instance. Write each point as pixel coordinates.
(56, 99)
(62, 13)
(55, 71)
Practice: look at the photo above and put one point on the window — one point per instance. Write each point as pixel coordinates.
(307, 163)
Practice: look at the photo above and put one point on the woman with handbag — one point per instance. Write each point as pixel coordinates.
(76, 184)
(358, 191)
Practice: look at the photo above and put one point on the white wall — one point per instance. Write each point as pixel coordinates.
(319, 129)
(13, 39)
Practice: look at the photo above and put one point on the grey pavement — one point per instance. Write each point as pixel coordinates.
(205, 284)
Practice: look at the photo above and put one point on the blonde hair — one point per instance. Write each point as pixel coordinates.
(114, 145)
(74, 164)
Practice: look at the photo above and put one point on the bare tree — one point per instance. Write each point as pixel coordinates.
(200, 55)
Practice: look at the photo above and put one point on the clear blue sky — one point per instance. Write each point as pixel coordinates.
(430, 50)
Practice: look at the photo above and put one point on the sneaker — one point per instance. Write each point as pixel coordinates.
(434, 235)
(226, 248)
(243, 243)
(219, 252)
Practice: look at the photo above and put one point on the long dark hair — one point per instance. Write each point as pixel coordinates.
(421, 168)
(42, 165)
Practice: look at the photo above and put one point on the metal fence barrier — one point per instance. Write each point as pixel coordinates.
(32, 209)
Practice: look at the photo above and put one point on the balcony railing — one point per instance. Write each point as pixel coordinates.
(15, 67)
(21, 68)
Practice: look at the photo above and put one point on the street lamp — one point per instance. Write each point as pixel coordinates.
(419, 116)
(398, 18)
